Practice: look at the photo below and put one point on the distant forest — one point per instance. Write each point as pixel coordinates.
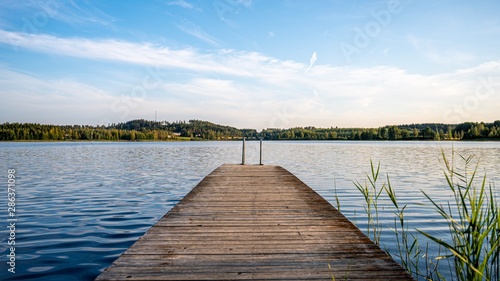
(144, 130)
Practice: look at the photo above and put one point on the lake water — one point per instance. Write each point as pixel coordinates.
(81, 204)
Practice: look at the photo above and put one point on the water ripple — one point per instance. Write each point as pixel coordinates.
(80, 205)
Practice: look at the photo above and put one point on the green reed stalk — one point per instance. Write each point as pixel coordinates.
(371, 193)
(409, 253)
(337, 200)
(473, 222)
(408, 250)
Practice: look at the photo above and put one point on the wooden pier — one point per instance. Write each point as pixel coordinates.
(252, 222)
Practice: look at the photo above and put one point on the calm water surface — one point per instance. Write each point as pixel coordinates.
(80, 205)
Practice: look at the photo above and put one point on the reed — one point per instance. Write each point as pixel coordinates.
(409, 252)
(371, 193)
(473, 220)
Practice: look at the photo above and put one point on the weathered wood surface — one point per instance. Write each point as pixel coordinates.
(253, 223)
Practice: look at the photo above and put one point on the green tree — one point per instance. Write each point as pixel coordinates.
(382, 133)
(429, 133)
(416, 133)
(394, 133)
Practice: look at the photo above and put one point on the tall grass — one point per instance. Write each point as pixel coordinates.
(473, 218)
(473, 221)
(408, 250)
(371, 193)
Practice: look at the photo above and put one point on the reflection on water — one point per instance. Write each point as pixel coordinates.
(80, 205)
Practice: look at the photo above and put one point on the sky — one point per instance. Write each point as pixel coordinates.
(250, 63)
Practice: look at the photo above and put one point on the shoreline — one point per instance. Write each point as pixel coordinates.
(253, 139)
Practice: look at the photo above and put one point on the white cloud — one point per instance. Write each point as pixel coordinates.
(26, 98)
(194, 30)
(181, 3)
(71, 12)
(207, 88)
(112, 50)
(246, 89)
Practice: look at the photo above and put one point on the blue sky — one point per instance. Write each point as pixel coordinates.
(250, 63)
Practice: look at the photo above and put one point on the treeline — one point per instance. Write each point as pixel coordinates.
(430, 131)
(135, 130)
(138, 130)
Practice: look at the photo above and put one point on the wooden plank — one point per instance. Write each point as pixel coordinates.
(253, 223)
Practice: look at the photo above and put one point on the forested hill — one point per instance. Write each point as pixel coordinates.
(137, 130)
(191, 129)
(132, 130)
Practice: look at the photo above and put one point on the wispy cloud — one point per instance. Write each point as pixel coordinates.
(84, 12)
(246, 3)
(224, 61)
(112, 50)
(429, 51)
(39, 14)
(313, 59)
(194, 30)
(181, 3)
(70, 12)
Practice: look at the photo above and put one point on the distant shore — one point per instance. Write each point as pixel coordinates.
(239, 140)
(197, 130)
